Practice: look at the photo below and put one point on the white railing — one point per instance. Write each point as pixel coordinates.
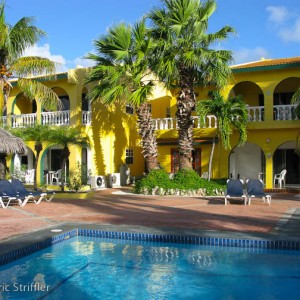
(170, 123)
(3, 121)
(24, 120)
(285, 112)
(255, 113)
(86, 117)
(56, 118)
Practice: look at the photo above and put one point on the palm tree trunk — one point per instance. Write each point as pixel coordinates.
(65, 156)
(38, 148)
(3, 166)
(147, 132)
(185, 105)
(211, 157)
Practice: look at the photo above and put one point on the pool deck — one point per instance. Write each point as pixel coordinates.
(119, 210)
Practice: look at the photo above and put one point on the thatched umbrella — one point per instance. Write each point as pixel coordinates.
(9, 144)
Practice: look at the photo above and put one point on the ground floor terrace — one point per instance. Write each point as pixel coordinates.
(123, 211)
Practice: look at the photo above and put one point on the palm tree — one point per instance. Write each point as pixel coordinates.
(121, 74)
(66, 137)
(39, 134)
(13, 41)
(184, 58)
(231, 114)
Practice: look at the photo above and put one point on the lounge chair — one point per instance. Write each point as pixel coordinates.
(36, 197)
(255, 189)
(235, 189)
(6, 200)
(8, 194)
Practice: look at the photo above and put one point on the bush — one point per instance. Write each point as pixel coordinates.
(185, 182)
(155, 179)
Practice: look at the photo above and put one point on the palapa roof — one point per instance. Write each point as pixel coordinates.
(10, 144)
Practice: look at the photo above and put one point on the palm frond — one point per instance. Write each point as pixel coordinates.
(36, 90)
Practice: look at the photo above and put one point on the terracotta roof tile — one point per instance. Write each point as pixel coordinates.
(268, 62)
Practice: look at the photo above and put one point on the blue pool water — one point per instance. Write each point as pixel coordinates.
(100, 268)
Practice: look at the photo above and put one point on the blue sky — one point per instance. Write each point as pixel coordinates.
(264, 28)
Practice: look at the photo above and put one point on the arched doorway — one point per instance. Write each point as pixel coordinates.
(285, 158)
(247, 162)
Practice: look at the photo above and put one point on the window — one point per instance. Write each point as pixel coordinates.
(84, 103)
(168, 112)
(129, 156)
(129, 109)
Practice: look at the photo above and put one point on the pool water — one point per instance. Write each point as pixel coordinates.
(99, 268)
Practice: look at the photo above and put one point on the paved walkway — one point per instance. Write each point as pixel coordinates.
(120, 209)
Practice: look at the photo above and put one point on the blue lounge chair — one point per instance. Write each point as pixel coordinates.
(255, 189)
(235, 189)
(36, 197)
(6, 200)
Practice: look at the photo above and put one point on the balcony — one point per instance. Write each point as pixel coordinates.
(255, 114)
(170, 123)
(56, 118)
(281, 113)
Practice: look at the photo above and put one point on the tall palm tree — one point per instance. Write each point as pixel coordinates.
(13, 41)
(66, 137)
(39, 134)
(121, 74)
(231, 114)
(185, 57)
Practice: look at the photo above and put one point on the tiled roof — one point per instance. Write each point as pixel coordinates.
(265, 63)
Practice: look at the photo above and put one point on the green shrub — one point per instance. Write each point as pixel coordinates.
(155, 178)
(185, 182)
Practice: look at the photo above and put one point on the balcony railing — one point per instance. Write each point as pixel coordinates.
(255, 113)
(86, 117)
(56, 118)
(24, 120)
(170, 123)
(285, 112)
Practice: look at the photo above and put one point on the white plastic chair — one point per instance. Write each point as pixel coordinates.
(280, 178)
(56, 177)
(29, 176)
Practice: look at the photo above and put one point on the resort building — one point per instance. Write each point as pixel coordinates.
(266, 86)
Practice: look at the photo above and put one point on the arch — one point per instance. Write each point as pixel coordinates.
(20, 163)
(51, 161)
(284, 91)
(23, 105)
(63, 96)
(285, 157)
(250, 91)
(247, 162)
(85, 104)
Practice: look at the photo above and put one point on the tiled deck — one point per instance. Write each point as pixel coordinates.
(119, 209)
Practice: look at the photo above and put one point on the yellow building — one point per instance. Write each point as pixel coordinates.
(266, 86)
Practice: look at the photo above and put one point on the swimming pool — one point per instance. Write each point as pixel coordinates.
(87, 267)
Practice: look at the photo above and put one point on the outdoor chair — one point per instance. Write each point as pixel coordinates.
(235, 189)
(6, 200)
(34, 196)
(56, 177)
(280, 178)
(8, 194)
(255, 189)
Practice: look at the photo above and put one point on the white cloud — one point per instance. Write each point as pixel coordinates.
(287, 23)
(278, 14)
(62, 64)
(247, 55)
(44, 51)
(291, 34)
